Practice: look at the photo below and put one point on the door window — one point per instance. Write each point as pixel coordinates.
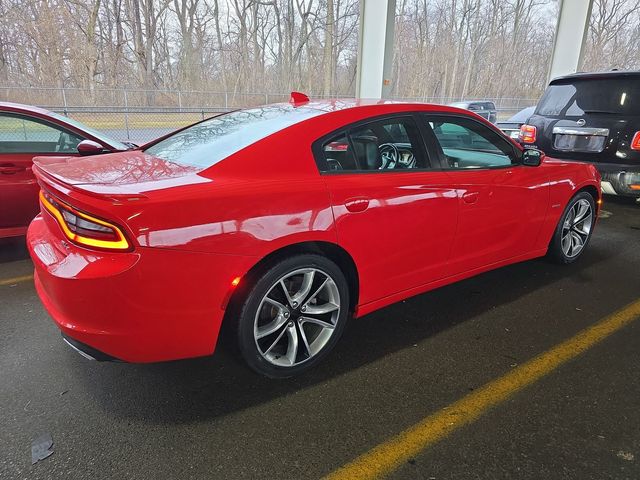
(468, 144)
(384, 145)
(23, 135)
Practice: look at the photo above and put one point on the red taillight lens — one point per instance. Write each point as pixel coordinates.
(82, 228)
(337, 147)
(527, 134)
(635, 143)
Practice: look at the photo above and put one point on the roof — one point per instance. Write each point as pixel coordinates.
(595, 75)
(19, 107)
(337, 104)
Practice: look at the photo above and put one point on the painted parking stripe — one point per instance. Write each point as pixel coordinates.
(13, 281)
(386, 457)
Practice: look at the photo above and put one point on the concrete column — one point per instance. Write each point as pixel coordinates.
(375, 48)
(571, 33)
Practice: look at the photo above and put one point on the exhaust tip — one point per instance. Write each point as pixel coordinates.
(88, 352)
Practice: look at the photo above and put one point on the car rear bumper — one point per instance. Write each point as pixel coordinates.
(620, 179)
(617, 178)
(148, 305)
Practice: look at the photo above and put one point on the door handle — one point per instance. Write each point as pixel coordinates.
(470, 197)
(10, 169)
(355, 205)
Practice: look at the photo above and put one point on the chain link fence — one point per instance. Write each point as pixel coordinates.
(142, 115)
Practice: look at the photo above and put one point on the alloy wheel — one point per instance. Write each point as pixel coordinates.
(297, 317)
(577, 228)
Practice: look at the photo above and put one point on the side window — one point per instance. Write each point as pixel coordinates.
(469, 144)
(391, 144)
(338, 155)
(23, 135)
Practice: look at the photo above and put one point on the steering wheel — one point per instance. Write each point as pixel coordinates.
(390, 156)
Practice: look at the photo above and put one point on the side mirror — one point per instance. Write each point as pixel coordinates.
(88, 147)
(532, 157)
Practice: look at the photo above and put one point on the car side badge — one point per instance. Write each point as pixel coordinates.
(298, 98)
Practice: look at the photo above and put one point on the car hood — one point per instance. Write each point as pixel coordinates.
(125, 171)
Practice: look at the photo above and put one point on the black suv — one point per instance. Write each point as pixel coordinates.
(592, 117)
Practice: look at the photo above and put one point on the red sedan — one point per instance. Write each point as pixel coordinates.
(27, 131)
(283, 221)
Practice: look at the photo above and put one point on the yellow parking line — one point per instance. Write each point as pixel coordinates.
(388, 456)
(12, 281)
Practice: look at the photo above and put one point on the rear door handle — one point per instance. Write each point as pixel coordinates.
(11, 169)
(470, 197)
(357, 204)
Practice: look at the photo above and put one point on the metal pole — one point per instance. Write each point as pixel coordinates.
(126, 114)
(64, 101)
(226, 100)
(180, 101)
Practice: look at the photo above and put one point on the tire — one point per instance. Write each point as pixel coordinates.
(293, 316)
(572, 237)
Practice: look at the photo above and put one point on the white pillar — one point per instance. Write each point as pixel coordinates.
(375, 48)
(571, 33)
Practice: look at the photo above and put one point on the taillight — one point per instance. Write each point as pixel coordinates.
(635, 143)
(82, 228)
(527, 134)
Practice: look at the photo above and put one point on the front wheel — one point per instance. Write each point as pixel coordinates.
(293, 316)
(574, 230)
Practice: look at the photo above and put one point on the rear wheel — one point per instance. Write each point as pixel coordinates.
(574, 230)
(293, 316)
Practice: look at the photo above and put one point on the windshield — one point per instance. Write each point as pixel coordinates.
(206, 143)
(620, 96)
(99, 135)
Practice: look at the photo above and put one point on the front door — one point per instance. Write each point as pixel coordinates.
(502, 202)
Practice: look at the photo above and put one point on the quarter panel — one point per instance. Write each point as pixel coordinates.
(566, 178)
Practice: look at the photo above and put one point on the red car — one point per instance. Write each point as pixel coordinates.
(27, 131)
(283, 221)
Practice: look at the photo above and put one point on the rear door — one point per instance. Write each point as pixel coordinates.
(502, 203)
(21, 138)
(394, 212)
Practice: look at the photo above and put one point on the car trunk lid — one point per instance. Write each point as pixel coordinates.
(128, 172)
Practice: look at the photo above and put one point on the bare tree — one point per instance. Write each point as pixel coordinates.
(443, 48)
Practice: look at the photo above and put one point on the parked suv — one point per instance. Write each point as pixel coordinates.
(484, 108)
(592, 117)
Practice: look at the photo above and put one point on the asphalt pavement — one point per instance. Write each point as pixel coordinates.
(212, 418)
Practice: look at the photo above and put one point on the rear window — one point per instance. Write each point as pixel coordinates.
(206, 143)
(619, 96)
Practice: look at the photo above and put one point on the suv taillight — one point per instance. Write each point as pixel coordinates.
(635, 143)
(527, 134)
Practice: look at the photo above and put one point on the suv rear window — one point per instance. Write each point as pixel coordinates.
(619, 96)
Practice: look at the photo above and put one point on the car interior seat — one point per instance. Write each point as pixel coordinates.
(367, 153)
